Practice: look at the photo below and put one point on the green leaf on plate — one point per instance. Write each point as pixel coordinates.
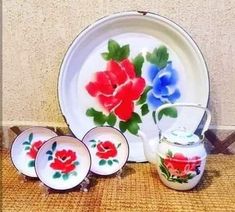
(57, 175)
(26, 143)
(27, 148)
(50, 157)
(30, 137)
(93, 141)
(65, 176)
(76, 163)
(123, 126)
(143, 97)
(110, 162)
(133, 127)
(105, 55)
(119, 145)
(93, 145)
(111, 119)
(135, 118)
(102, 162)
(138, 63)
(31, 163)
(171, 112)
(115, 160)
(159, 56)
(144, 109)
(54, 146)
(113, 47)
(49, 152)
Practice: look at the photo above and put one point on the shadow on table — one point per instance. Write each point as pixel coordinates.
(207, 179)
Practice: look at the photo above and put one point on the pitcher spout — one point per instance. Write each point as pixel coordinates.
(150, 148)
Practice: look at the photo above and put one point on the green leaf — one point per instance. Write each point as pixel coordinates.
(136, 118)
(65, 176)
(57, 175)
(191, 176)
(50, 157)
(113, 47)
(93, 145)
(123, 126)
(115, 160)
(138, 63)
(110, 162)
(119, 145)
(165, 171)
(94, 141)
(31, 163)
(111, 119)
(54, 146)
(144, 109)
(74, 173)
(100, 118)
(169, 153)
(105, 56)
(30, 137)
(102, 162)
(143, 97)
(27, 148)
(49, 152)
(171, 112)
(91, 112)
(26, 143)
(76, 163)
(133, 127)
(124, 52)
(158, 57)
(154, 117)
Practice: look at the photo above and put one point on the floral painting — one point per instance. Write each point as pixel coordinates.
(178, 168)
(32, 147)
(121, 90)
(106, 151)
(64, 162)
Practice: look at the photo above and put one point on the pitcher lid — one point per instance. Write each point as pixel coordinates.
(182, 137)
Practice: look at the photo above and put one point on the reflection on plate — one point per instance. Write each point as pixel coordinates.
(109, 150)
(62, 162)
(137, 63)
(25, 147)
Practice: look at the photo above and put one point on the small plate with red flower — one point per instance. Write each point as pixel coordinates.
(25, 147)
(109, 150)
(62, 163)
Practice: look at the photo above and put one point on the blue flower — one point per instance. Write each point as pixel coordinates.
(164, 85)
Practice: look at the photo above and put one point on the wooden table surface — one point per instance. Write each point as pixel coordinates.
(139, 189)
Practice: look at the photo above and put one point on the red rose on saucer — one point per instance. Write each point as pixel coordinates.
(34, 149)
(117, 87)
(64, 161)
(106, 150)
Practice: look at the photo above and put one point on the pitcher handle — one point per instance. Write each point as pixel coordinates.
(167, 105)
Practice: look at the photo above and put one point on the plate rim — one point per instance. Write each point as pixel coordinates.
(11, 148)
(89, 154)
(114, 15)
(128, 148)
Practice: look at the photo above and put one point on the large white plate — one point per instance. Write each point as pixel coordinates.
(175, 72)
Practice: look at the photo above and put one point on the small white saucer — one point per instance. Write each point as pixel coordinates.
(109, 149)
(62, 163)
(25, 147)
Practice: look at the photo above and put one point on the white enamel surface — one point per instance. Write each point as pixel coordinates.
(142, 33)
(19, 155)
(107, 134)
(45, 172)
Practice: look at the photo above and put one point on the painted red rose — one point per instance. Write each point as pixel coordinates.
(117, 87)
(179, 165)
(34, 149)
(106, 150)
(64, 161)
